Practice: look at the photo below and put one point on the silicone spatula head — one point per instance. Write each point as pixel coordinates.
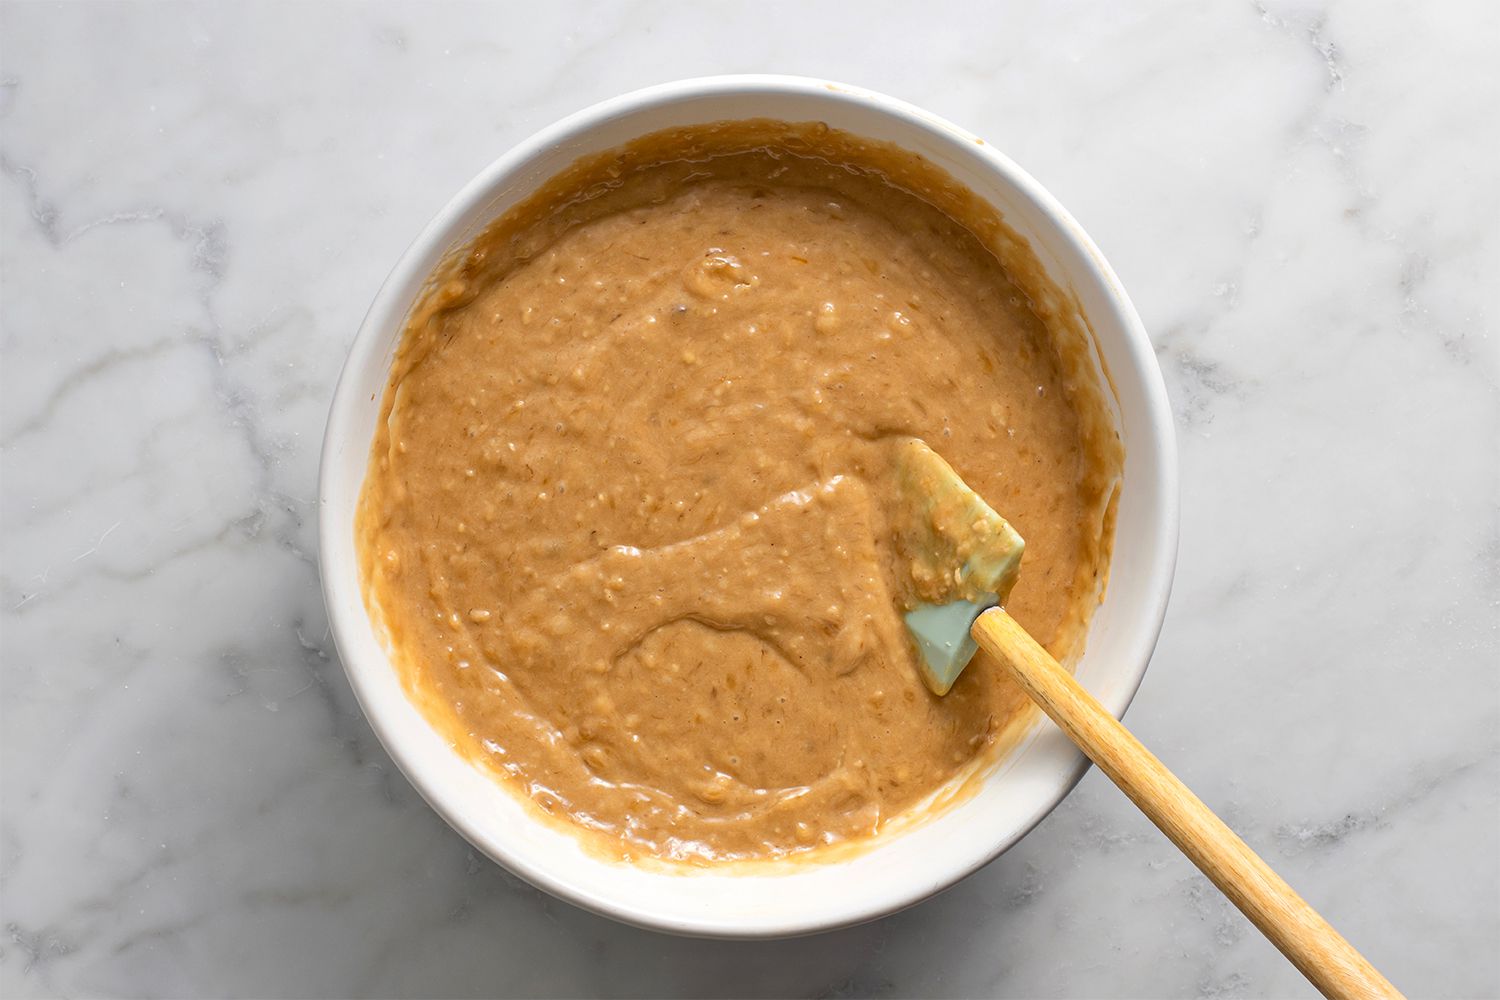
(963, 558)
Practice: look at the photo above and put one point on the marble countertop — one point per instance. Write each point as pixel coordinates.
(197, 205)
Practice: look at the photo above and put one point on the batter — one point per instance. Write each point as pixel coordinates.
(627, 521)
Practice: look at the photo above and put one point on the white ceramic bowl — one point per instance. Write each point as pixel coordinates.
(932, 855)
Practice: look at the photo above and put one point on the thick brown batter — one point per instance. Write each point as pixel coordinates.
(627, 523)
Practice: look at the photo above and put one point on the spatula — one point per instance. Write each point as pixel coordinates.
(964, 560)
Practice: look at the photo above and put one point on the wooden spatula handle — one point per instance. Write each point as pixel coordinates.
(1312, 945)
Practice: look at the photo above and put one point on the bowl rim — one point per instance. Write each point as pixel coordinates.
(480, 190)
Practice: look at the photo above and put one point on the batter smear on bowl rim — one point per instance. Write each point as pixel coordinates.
(627, 525)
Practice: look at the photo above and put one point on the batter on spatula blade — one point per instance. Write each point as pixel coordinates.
(964, 559)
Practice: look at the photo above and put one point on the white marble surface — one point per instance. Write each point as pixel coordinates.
(198, 204)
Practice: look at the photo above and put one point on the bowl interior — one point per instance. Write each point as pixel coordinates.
(930, 856)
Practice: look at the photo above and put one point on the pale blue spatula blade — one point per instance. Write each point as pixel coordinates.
(941, 632)
(964, 558)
